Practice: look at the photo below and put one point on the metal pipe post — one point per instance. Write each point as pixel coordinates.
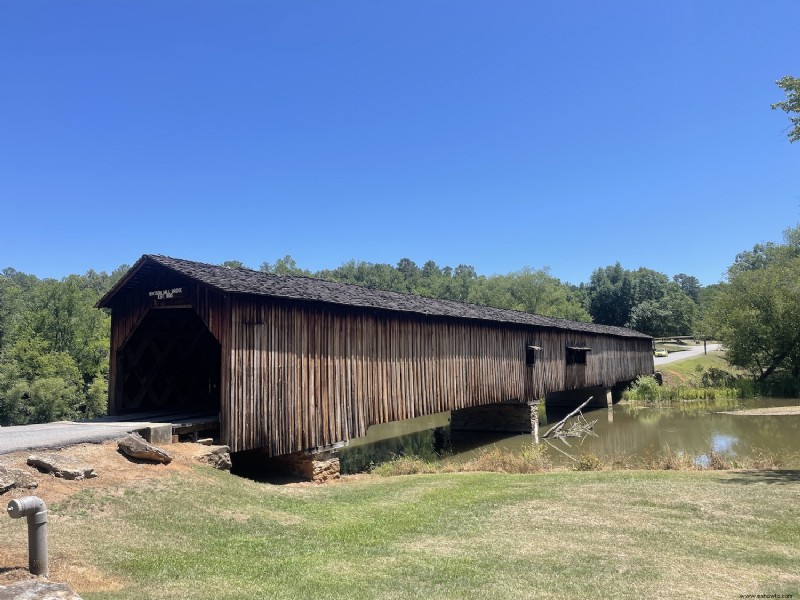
(35, 510)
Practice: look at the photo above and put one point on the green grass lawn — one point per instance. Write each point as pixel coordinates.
(690, 370)
(620, 534)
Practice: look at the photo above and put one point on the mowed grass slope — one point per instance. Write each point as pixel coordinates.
(620, 534)
(691, 369)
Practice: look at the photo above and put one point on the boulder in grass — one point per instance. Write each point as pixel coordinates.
(15, 478)
(37, 589)
(218, 457)
(62, 466)
(136, 446)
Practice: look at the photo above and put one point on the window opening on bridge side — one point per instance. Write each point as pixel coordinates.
(576, 355)
(530, 354)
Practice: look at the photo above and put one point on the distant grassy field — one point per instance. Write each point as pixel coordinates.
(621, 534)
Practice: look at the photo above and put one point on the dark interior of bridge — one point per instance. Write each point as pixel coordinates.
(171, 362)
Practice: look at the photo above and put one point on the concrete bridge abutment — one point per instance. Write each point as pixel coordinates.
(507, 417)
(602, 397)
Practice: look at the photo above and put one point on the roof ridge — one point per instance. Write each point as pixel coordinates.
(244, 280)
(358, 286)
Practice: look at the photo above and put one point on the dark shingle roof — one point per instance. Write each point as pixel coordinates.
(246, 281)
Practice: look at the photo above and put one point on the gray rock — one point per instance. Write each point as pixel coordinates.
(37, 589)
(7, 480)
(218, 457)
(16, 478)
(61, 466)
(136, 446)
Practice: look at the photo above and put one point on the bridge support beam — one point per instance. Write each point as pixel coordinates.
(510, 417)
(602, 397)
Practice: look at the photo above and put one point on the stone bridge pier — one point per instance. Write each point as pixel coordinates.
(509, 417)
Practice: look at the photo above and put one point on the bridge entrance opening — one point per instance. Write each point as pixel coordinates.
(170, 363)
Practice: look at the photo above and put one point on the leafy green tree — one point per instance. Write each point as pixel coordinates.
(762, 255)
(791, 86)
(10, 303)
(234, 264)
(38, 385)
(372, 275)
(100, 282)
(645, 300)
(689, 285)
(671, 314)
(284, 266)
(458, 286)
(529, 290)
(410, 273)
(757, 317)
(610, 295)
(53, 348)
(62, 315)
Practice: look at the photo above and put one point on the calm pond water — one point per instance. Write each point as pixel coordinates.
(624, 431)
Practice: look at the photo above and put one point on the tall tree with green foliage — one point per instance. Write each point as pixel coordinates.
(530, 290)
(690, 285)
(756, 313)
(610, 295)
(284, 266)
(53, 347)
(645, 300)
(757, 317)
(791, 86)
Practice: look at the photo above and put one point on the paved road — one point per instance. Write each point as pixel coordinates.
(60, 434)
(688, 353)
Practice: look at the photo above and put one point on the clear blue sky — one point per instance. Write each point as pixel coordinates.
(496, 134)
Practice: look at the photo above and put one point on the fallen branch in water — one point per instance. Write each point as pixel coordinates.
(554, 430)
(580, 428)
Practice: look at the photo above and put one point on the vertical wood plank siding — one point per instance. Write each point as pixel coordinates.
(304, 376)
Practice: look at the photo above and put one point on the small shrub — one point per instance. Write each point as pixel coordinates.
(404, 465)
(719, 378)
(764, 459)
(588, 462)
(532, 459)
(496, 460)
(620, 461)
(668, 460)
(717, 461)
(644, 388)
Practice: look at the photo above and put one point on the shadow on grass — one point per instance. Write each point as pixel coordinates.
(270, 477)
(770, 476)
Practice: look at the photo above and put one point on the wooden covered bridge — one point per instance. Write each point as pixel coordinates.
(299, 364)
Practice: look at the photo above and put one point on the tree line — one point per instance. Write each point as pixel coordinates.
(54, 347)
(642, 299)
